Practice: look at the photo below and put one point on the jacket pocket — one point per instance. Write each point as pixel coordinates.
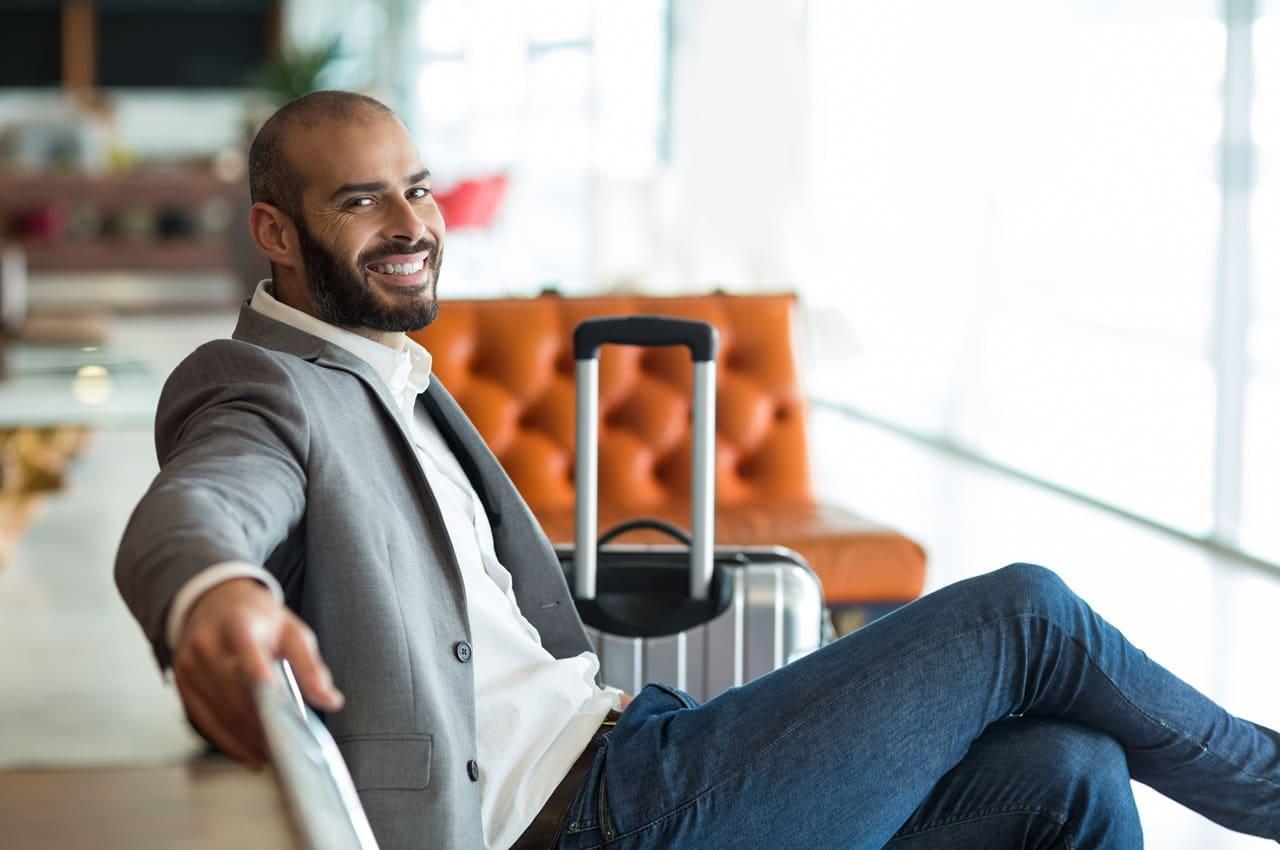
(388, 762)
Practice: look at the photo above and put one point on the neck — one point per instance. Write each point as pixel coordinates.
(289, 290)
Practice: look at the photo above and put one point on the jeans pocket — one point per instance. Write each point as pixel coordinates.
(607, 831)
(584, 811)
(684, 700)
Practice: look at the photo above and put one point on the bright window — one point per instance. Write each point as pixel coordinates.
(1259, 529)
(558, 95)
(1023, 205)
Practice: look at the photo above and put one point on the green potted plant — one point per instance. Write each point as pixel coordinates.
(290, 73)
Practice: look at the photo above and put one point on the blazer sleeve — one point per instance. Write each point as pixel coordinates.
(232, 439)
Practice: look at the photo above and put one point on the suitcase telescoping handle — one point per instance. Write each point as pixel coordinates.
(650, 331)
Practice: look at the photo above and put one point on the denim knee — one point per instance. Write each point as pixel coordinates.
(1078, 771)
(1080, 756)
(1094, 778)
(1031, 588)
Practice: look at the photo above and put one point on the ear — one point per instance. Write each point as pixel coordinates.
(274, 234)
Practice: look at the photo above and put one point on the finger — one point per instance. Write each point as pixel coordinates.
(255, 661)
(298, 646)
(219, 674)
(219, 681)
(228, 697)
(207, 721)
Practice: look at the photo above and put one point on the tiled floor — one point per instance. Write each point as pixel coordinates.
(77, 684)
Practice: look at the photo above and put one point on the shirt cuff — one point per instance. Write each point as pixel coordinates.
(206, 580)
(616, 694)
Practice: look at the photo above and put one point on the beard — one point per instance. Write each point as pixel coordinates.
(344, 295)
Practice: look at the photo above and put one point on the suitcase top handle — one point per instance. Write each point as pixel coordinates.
(701, 339)
(649, 524)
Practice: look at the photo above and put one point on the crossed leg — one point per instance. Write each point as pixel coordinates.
(845, 746)
(1032, 783)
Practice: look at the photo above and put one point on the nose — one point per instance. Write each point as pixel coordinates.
(403, 223)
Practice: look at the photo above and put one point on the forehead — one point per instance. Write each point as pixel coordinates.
(363, 150)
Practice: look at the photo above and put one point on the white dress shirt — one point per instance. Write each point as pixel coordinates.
(534, 713)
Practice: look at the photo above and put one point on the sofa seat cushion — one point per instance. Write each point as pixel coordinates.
(857, 560)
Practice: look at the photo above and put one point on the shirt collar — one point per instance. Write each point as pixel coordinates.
(409, 367)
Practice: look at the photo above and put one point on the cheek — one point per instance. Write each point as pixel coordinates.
(347, 236)
(433, 219)
(349, 247)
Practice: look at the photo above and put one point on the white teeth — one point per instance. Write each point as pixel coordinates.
(399, 268)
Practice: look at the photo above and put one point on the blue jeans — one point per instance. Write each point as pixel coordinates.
(998, 712)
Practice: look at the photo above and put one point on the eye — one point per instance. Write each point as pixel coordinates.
(358, 202)
(418, 192)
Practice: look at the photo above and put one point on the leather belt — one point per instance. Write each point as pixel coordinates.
(544, 832)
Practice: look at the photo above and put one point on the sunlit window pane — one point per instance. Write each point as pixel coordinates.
(1260, 530)
(1020, 210)
(444, 26)
(560, 82)
(535, 92)
(558, 21)
(443, 93)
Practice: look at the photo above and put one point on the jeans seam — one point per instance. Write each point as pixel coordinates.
(577, 820)
(868, 679)
(1204, 748)
(1033, 809)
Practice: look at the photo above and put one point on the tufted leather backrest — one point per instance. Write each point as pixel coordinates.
(509, 363)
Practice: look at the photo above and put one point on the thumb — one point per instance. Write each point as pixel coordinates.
(298, 647)
(254, 658)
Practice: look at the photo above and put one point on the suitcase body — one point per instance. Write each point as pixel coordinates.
(768, 612)
(695, 616)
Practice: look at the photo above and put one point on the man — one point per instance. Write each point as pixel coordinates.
(322, 499)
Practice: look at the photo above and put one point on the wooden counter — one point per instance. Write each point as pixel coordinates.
(211, 803)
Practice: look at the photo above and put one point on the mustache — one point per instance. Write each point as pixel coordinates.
(429, 246)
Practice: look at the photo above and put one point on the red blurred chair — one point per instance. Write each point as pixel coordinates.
(473, 203)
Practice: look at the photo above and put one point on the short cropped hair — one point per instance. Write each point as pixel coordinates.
(272, 178)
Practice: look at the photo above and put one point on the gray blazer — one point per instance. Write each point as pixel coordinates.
(281, 449)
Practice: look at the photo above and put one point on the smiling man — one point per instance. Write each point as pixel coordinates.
(350, 271)
(322, 499)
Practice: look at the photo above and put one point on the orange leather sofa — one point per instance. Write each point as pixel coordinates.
(509, 363)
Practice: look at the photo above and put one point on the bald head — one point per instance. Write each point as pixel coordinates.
(272, 178)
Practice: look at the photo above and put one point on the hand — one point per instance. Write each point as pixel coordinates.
(624, 700)
(233, 634)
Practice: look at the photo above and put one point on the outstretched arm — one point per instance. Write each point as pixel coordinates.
(232, 439)
(233, 634)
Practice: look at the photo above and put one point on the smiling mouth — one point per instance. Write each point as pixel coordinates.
(398, 269)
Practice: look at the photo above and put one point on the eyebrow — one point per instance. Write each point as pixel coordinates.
(377, 185)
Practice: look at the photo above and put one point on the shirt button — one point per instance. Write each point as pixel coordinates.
(473, 770)
(462, 649)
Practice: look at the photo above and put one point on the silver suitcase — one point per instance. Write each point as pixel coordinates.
(696, 616)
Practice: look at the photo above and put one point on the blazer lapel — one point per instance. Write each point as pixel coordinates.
(261, 330)
(457, 431)
(450, 419)
(255, 328)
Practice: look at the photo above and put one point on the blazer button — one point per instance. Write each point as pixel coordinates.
(462, 649)
(473, 770)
